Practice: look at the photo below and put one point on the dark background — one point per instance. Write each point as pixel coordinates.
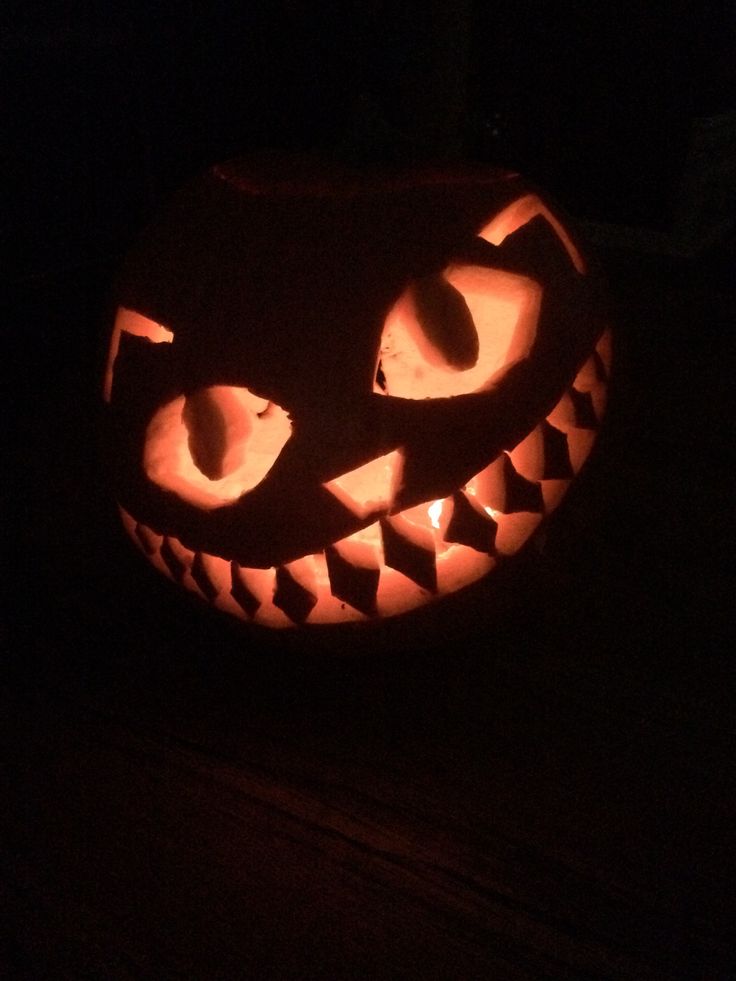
(550, 798)
(106, 108)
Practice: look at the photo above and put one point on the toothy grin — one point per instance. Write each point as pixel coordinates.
(402, 561)
(328, 405)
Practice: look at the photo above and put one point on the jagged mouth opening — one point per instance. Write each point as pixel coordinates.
(455, 332)
(403, 561)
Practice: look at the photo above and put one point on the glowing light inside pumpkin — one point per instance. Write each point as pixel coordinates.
(435, 511)
(370, 535)
(504, 309)
(370, 487)
(256, 594)
(448, 334)
(251, 432)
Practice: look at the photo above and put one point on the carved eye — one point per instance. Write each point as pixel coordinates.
(213, 446)
(378, 505)
(453, 333)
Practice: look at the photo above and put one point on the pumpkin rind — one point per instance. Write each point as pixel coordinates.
(411, 458)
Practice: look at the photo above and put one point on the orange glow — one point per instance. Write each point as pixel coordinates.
(553, 491)
(589, 377)
(138, 325)
(371, 487)
(253, 434)
(471, 488)
(363, 552)
(514, 530)
(216, 444)
(604, 349)
(370, 535)
(504, 308)
(528, 456)
(422, 528)
(460, 565)
(520, 213)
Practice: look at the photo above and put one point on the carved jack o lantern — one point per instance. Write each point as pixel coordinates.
(339, 400)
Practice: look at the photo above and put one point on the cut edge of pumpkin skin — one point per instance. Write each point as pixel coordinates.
(397, 562)
(129, 322)
(318, 588)
(503, 308)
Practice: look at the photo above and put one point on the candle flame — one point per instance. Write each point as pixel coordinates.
(434, 511)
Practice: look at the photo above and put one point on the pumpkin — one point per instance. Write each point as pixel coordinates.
(336, 399)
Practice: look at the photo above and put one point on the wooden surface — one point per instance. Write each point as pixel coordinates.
(551, 798)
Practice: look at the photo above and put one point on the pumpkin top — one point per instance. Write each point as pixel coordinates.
(311, 175)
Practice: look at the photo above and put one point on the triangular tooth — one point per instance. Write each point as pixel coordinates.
(557, 464)
(470, 525)
(241, 593)
(521, 494)
(370, 488)
(351, 582)
(150, 541)
(129, 522)
(591, 374)
(490, 485)
(599, 397)
(514, 530)
(580, 443)
(202, 577)
(604, 350)
(410, 550)
(562, 415)
(553, 491)
(585, 417)
(296, 601)
(528, 455)
(173, 560)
